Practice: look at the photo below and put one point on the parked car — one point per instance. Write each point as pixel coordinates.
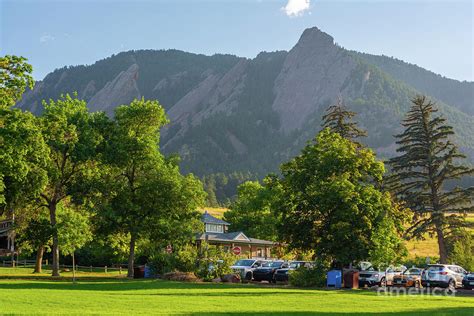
(409, 278)
(392, 272)
(267, 271)
(382, 275)
(245, 268)
(468, 281)
(443, 275)
(372, 276)
(281, 275)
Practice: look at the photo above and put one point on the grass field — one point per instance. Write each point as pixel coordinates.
(103, 294)
(214, 211)
(429, 246)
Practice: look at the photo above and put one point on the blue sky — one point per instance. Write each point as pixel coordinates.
(435, 34)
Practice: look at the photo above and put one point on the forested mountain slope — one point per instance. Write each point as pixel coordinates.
(236, 114)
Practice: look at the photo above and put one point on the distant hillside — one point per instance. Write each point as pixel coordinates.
(453, 92)
(235, 114)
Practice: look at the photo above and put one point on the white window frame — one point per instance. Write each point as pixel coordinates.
(214, 228)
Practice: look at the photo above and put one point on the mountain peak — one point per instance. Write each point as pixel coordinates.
(314, 36)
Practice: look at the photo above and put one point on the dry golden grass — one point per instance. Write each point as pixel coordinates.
(214, 211)
(429, 246)
(423, 248)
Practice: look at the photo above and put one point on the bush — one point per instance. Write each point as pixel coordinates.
(181, 276)
(304, 277)
(208, 263)
(184, 259)
(309, 277)
(214, 262)
(420, 262)
(461, 251)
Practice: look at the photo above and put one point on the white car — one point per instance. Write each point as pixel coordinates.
(443, 275)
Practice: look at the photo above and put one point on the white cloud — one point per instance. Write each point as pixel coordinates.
(296, 7)
(46, 38)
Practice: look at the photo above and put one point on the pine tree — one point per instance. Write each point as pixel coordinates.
(338, 119)
(428, 160)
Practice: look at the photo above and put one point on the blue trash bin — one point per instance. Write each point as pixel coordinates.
(334, 279)
(148, 273)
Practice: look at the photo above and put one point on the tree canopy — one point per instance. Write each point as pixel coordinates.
(330, 203)
(145, 194)
(253, 210)
(15, 77)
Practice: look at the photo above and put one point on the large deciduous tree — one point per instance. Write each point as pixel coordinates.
(331, 204)
(253, 212)
(23, 156)
(73, 140)
(428, 159)
(145, 196)
(23, 152)
(15, 77)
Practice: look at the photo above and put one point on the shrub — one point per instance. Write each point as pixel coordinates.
(184, 259)
(461, 252)
(180, 276)
(305, 277)
(420, 262)
(309, 277)
(214, 262)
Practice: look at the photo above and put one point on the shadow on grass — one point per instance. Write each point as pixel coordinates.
(123, 284)
(437, 311)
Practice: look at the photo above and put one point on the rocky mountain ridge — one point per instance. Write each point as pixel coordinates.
(236, 114)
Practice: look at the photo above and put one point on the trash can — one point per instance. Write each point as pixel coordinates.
(139, 272)
(351, 279)
(148, 273)
(334, 279)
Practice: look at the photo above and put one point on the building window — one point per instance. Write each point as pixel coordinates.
(214, 228)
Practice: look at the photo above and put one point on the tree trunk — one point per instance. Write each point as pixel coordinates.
(55, 248)
(443, 256)
(39, 259)
(131, 256)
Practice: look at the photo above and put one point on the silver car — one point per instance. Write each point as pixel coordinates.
(378, 276)
(245, 268)
(443, 275)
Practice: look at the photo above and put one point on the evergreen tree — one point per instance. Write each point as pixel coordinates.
(428, 160)
(338, 119)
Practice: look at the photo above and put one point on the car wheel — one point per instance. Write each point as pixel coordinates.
(383, 282)
(451, 286)
(248, 276)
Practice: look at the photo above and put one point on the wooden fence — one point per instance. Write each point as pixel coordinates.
(31, 264)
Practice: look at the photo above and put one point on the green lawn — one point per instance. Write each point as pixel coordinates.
(118, 296)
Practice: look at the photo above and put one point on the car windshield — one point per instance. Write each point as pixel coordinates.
(295, 265)
(413, 272)
(435, 268)
(371, 268)
(272, 264)
(244, 263)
